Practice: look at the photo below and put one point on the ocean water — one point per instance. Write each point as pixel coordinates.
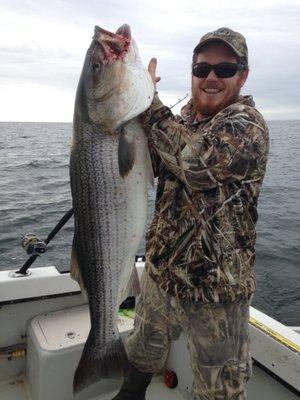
(35, 194)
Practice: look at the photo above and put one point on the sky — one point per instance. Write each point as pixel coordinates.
(43, 45)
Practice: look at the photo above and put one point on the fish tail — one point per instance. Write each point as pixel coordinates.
(110, 363)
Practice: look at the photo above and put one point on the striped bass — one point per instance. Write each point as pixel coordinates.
(109, 170)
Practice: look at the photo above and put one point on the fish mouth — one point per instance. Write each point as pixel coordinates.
(114, 45)
(124, 31)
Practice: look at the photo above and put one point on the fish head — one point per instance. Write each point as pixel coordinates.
(114, 86)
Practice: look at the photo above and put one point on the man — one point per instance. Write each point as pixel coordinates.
(199, 274)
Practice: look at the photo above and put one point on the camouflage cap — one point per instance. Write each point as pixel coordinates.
(235, 40)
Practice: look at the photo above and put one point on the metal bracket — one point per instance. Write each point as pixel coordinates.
(16, 274)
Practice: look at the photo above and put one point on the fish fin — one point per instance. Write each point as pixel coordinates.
(75, 272)
(110, 363)
(149, 169)
(133, 287)
(126, 153)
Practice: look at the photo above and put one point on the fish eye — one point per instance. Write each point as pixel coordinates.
(95, 66)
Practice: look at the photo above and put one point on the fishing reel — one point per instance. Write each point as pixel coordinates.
(33, 245)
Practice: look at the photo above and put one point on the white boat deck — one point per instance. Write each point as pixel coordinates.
(55, 320)
(261, 386)
(156, 391)
(16, 390)
(13, 390)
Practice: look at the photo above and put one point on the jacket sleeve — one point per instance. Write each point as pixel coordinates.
(155, 112)
(233, 146)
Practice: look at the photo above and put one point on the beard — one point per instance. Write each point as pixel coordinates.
(210, 108)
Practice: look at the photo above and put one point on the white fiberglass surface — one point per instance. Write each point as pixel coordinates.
(157, 390)
(261, 386)
(15, 390)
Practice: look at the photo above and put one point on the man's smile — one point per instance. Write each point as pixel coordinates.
(212, 90)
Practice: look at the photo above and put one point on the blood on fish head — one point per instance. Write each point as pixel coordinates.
(114, 46)
(114, 86)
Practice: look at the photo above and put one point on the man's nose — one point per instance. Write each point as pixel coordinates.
(212, 76)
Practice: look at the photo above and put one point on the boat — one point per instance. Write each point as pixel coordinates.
(44, 322)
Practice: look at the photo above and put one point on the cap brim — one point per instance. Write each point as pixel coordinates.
(198, 47)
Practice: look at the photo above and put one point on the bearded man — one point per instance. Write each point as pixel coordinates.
(199, 276)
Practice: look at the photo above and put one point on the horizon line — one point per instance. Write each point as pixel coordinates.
(70, 122)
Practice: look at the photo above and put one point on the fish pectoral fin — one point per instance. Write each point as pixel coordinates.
(110, 362)
(126, 153)
(75, 272)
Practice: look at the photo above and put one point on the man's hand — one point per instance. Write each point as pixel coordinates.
(152, 71)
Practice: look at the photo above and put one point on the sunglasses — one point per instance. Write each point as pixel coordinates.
(222, 70)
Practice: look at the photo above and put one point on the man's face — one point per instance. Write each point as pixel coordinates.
(213, 94)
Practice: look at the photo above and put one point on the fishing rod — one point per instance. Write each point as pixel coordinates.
(35, 247)
(179, 101)
(165, 112)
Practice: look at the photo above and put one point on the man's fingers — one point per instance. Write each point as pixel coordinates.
(152, 71)
(152, 66)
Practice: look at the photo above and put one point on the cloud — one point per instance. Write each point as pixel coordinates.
(43, 44)
(35, 102)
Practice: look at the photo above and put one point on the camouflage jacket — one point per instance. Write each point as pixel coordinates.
(200, 245)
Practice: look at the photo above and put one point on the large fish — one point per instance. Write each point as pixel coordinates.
(109, 170)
